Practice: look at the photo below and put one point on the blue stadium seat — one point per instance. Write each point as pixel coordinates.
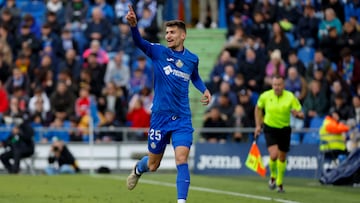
(313, 137)
(306, 55)
(295, 139)
(291, 39)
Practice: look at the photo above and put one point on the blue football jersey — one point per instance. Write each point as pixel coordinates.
(173, 71)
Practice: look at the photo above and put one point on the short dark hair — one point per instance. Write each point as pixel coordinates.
(177, 23)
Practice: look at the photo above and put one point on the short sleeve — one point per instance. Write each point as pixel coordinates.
(261, 101)
(295, 104)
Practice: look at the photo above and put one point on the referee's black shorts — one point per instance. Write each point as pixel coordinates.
(278, 136)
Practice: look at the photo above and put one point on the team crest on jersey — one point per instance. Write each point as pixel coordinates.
(179, 63)
(153, 145)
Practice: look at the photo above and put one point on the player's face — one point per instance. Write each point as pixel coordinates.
(278, 85)
(175, 38)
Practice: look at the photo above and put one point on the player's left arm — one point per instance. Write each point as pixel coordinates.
(296, 109)
(199, 84)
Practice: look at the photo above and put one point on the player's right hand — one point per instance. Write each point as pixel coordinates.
(257, 131)
(131, 17)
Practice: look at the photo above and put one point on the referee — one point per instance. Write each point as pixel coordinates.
(278, 105)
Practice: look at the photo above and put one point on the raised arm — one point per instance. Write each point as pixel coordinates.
(138, 40)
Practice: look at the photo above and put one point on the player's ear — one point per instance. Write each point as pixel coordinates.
(183, 35)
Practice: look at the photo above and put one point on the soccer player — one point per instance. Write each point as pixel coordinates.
(278, 105)
(174, 67)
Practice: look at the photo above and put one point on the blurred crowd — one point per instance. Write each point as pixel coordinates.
(314, 45)
(65, 62)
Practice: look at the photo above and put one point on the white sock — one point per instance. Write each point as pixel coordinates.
(181, 200)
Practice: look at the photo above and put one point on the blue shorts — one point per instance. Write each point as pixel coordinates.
(164, 127)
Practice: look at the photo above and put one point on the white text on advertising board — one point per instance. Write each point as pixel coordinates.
(219, 162)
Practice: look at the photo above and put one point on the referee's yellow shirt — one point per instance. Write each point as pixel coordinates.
(278, 109)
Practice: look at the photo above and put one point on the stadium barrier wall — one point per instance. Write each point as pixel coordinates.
(204, 158)
(229, 159)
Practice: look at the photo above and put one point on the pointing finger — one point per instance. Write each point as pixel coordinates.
(130, 8)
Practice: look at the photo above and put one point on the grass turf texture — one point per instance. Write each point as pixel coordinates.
(111, 188)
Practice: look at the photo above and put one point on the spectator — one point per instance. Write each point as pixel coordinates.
(18, 145)
(62, 99)
(225, 88)
(148, 27)
(29, 21)
(330, 20)
(17, 80)
(54, 22)
(97, 73)
(307, 28)
(331, 44)
(14, 10)
(8, 42)
(146, 4)
(68, 42)
(214, 119)
(106, 9)
(244, 97)
(98, 28)
(253, 70)
(121, 9)
(337, 6)
(339, 87)
(113, 100)
(118, 72)
(110, 122)
(356, 106)
(82, 103)
(146, 96)
(279, 41)
(203, 13)
(26, 39)
(268, 9)
(4, 102)
(238, 120)
(50, 38)
(296, 84)
(238, 20)
(5, 71)
(259, 29)
(349, 68)
(61, 160)
(138, 117)
(71, 64)
(138, 81)
(344, 110)
(125, 40)
(39, 96)
(75, 13)
(287, 12)
(276, 66)
(351, 38)
(320, 63)
(352, 9)
(56, 7)
(95, 48)
(9, 21)
(293, 61)
(219, 69)
(315, 104)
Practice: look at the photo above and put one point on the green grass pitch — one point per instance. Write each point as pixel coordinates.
(160, 188)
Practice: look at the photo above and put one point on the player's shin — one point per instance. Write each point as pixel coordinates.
(142, 166)
(281, 168)
(182, 181)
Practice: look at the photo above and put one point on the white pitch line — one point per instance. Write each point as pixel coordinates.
(209, 190)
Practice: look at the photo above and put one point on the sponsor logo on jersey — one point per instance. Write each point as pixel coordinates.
(168, 70)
